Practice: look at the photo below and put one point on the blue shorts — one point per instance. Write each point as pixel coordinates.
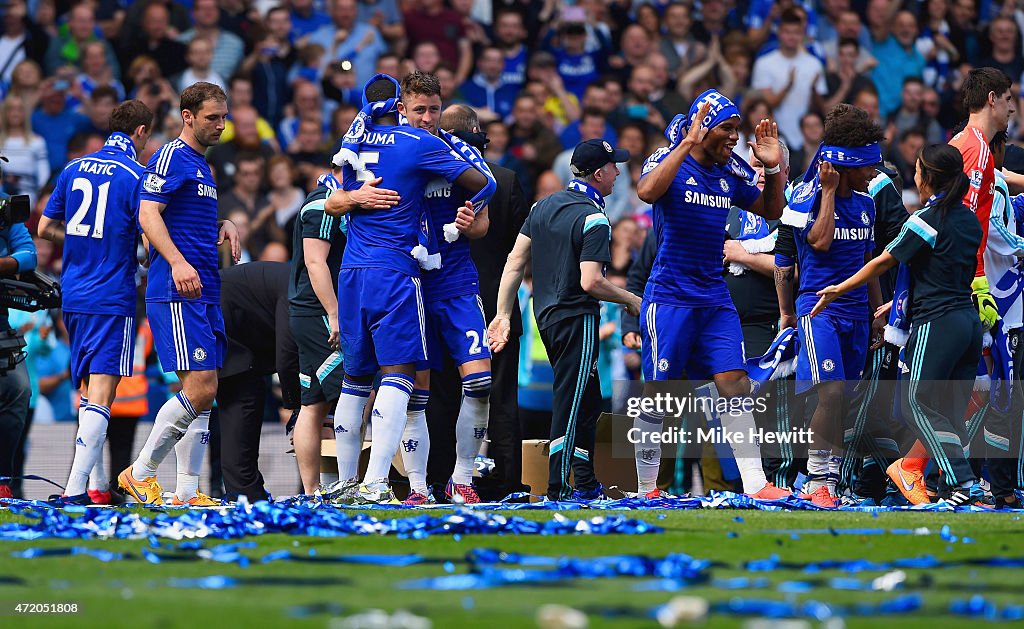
(101, 344)
(382, 319)
(831, 348)
(693, 342)
(456, 327)
(188, 335)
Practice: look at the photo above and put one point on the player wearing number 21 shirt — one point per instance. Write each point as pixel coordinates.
(93, 209)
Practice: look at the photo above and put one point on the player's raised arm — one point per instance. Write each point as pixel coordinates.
(186, 278)
(654, 183)
(768, 150)
(822, 232)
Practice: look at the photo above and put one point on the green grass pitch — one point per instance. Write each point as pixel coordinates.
(135, 593)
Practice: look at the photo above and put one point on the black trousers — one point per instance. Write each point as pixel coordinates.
(943, 357)
(573, 347)
(873, 438)
(1002, 426)
(14, 398)
(241, 400)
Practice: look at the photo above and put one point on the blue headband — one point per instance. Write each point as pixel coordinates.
(801, 204)
(850, 157)
(349, 151)
(386, 77)
(721, 109)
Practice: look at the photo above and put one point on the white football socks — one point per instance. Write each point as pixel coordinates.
(647, 451)
(189, 454)
(172, 420)
(390, 410)
(92, 432)
(348, 424)
(817, 470)
(739, 421)
(471, 425)
(416, 441)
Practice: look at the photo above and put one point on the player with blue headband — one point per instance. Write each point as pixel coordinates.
(833, 218)
(689, 325)
(381, 313)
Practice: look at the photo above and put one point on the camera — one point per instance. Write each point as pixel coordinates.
(29, 291)
(14, 209)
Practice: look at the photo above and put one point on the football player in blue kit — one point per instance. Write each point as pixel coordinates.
(455, 319)
(382, 314)
(833, 217)
(178, 215)
(689, 325)
(100, 237)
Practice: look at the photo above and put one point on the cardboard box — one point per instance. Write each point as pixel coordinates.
(612, 471)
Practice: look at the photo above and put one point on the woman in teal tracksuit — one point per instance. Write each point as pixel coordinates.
(939, 244)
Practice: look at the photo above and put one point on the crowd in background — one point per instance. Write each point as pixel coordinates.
(543, 75)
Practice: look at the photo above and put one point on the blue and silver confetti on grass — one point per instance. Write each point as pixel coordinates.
(241, 520)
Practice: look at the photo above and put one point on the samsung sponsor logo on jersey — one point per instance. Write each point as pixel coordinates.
(709, 200)
(207, 190)
(852, 233)
(96, 168)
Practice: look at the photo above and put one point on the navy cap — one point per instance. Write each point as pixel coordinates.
(593, 154)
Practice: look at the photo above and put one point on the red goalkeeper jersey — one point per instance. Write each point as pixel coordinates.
(980, 169)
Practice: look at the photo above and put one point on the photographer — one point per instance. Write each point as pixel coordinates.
(17, 255)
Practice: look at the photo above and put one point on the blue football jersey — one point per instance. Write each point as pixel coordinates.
(179, 176)
(97, 197)
(457, 275)
(854, 238)
(407, 159)
(689, 221)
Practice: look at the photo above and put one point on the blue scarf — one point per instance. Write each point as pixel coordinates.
(801, 205)
(472, 156)
(754, 236)
(329, 181)
(585, 188)
(427, 252)
(721, 110)
(1002, 370)
(778, 362)
(897, 329)
(118, 140)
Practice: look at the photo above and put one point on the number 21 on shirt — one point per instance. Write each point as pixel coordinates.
(75, 226)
